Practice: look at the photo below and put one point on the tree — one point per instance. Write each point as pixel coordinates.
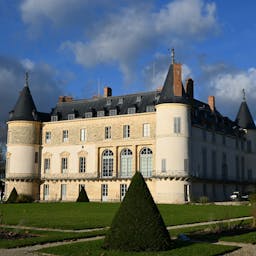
(82, 196)
(138, 224)
(13, 196)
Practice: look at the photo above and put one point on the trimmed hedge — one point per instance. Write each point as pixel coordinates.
(83, 196)
(138, 224)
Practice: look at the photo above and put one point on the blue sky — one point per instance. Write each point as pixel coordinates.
(76, 47)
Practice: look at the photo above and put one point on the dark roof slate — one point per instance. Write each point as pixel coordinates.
(25, 108)
(244, 118)
(167, 93)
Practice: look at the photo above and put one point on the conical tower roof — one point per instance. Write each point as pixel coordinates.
(25, 108)
(173, 90)
(244, 118)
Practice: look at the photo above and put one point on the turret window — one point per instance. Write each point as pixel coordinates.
(47, 165)
(48, 137)
(177, 127)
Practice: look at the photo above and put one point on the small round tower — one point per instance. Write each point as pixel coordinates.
(23, 146)
(173, 128)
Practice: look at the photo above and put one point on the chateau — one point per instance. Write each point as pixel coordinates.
(185, 148)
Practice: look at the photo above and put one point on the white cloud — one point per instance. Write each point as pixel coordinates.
(28, 64)
(130, 33)
(227, 87)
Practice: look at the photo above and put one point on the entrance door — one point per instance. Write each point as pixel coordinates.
(104, 192)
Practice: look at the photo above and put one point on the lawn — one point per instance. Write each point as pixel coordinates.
(42, 237)
(249, 237)
(91, 215)
(93, 248)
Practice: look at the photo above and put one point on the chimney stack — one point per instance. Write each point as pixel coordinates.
(177, 84)
(211, 103)
(65, 99)
(107, 91)
(190, 88)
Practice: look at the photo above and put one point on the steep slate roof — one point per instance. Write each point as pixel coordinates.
(139, 101)
(167, 93)
(244, 118)
(25, 108)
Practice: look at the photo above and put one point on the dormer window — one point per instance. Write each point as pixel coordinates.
(54, 118)
(120, 101)
(131, 110)
(138, 98)
(112, 112)
(150, 108)
(109, 102)
(88, 114)
(100, 113)
(71, 116)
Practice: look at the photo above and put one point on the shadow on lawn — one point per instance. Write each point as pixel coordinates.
(212, 237)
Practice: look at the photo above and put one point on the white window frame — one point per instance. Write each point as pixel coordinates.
(146, 162)
(126, 131)
(64, 165)
(63, 191)
(65, 135)
(146, 130)
(83, 133)
(47, 165)
(82, 164)
(177, 125)
(126, 163)
(107, 167)
(107, 132)
(46, 191)
(48, 137)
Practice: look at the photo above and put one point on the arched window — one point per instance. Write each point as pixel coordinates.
(126, 163)
(107, 163)
(146, 162)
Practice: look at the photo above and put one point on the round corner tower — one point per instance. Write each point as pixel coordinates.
(23, 147)
(173, 128)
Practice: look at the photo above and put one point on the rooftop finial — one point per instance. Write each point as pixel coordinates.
(243, 91)
(172, 56)
(26, 78)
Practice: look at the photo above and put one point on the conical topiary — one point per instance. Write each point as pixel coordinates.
(13, 196)
(138, 224)
(82, 196)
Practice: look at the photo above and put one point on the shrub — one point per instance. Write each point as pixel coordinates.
(252, 198)
(83, 196)
(203, 199)
(13, 196)
(138, 224)
(22, 198)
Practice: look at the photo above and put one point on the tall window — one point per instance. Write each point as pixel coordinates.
(36, 157)
(108, 132)
(63, 191)
(146, 162)
(83, 134)
(48, 137)
(146, 130)
(176, 125)
(214, 161)
(46, 191)
(82, 164)
(47, 165)
(204, 161)
(237, 168)
(123, 189)
(65, 135)
(64, 164)
(107, 163)
(126, 163)
(163, 163)
(126, 131)
(242, 168)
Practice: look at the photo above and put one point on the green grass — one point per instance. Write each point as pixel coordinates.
(241, 238)
(93, 248)
(42, 237)
(91, 215)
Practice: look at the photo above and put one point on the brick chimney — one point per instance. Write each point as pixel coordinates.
(65, 99)
(211, 103)
(177, 84)
(190, 88)
(107, 91)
